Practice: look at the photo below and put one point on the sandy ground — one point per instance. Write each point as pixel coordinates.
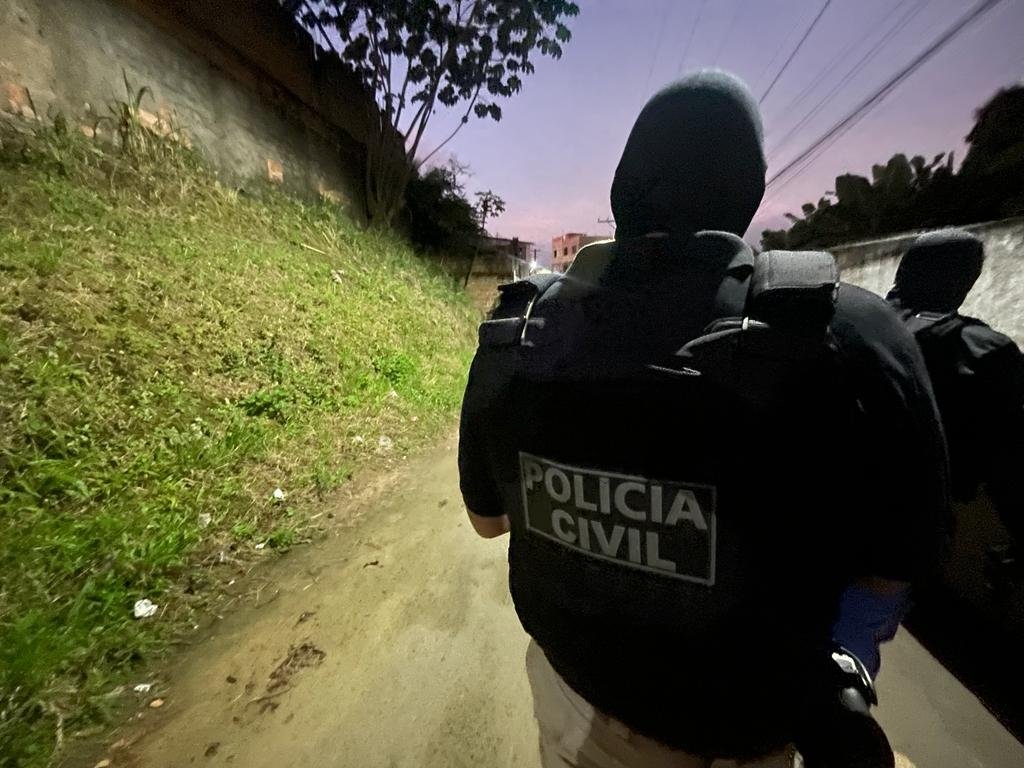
(394, 643)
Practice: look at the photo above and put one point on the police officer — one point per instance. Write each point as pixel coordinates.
(977, 373)
(692, 451)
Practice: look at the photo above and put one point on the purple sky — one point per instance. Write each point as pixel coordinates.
(553, 154)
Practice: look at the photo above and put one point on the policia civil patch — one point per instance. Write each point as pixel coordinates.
(663, 527)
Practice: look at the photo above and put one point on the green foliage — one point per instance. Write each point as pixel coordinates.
(994, 166)
(273, 402)
(416, 56)
(439, 217)
(917, 193)
(170, 354)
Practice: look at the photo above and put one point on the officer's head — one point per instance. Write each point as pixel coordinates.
(938, 271)
(693, 161)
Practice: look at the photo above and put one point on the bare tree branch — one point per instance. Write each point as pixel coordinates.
(462, 122)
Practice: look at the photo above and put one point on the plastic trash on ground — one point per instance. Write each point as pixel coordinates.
(144, 608)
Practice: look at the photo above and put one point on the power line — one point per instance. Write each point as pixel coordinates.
(872, 101)
(795, 51)
(689, 39)
(657, 47)
(728, 32)
(778, 52)
(839, 58)
(852, 73)
(809, 161)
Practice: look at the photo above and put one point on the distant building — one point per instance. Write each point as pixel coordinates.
(497, 260)
(565, 248)
(504, 246)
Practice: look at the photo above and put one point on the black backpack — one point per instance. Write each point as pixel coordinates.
(790, 303)
(953, 371)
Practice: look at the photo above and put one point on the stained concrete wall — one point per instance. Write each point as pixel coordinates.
(998, 296)
(242, 81)
(488, 272)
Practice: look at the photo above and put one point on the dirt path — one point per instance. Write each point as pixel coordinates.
(422, 653)
(394, 644)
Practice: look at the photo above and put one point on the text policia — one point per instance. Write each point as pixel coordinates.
(665, 527)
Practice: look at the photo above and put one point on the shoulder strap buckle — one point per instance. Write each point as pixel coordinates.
(507, 324)
(794, 289)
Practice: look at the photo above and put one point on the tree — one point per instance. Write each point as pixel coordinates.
(488, 205)
(437, 215)
(419, 55)
(994, 166)
(902, 194)
(916, 194)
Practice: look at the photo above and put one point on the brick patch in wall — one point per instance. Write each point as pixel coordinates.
(16, 99)
(332, 195)
(275, 171)
(160, 124)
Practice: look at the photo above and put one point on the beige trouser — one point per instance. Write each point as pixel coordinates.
(575, 735)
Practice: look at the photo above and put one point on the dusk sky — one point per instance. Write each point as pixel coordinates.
(553, 154)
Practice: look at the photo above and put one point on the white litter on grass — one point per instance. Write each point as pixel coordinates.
(261, 545)
(278, 494)
(358, 439)
(143, 687)
(385, 443)
(204, 519)
(144, 608)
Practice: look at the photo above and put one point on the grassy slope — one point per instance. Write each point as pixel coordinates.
(171, 350)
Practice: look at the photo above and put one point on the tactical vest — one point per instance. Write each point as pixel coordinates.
(676, 547)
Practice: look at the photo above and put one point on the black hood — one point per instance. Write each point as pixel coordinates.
(693, 161)
(938, 271)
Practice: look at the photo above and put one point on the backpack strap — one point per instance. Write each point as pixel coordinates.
(794, 290)
(934, 324)
(506, 326)
(791, 299)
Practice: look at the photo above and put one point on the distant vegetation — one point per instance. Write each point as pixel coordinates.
(172, 352)
(439, 218)
(919, 193)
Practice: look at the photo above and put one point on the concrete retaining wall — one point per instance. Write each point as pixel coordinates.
(241, 80)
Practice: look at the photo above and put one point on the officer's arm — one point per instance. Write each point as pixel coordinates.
(902, 449)
(903, 459)
(489, 527)
(476, 479)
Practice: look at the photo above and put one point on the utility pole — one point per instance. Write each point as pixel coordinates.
(609, 221)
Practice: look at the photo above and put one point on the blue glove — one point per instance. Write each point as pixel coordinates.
(868, 618)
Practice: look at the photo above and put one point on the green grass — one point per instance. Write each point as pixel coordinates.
(172, 350)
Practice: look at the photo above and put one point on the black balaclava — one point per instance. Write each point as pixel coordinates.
(938, 271)
(693, 161)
